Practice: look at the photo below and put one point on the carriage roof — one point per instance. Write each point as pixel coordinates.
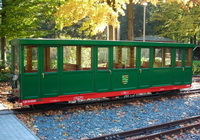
(17, 42)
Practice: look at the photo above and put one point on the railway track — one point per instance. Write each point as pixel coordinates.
(103, 102)
(152, 131)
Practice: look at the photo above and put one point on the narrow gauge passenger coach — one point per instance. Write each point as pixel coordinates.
(52, 70)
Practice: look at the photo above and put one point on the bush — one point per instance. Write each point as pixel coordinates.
(196, 67)
(5, 76)
(5, 73)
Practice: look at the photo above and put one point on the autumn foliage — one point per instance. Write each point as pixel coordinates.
(98, 14)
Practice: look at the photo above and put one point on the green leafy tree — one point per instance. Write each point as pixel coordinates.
(22, 18)
(177, 21)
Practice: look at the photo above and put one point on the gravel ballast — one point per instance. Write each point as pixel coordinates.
(94, 121)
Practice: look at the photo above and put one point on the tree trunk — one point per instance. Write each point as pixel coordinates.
(117, 33)
(130, 20)
(112, 33)
(3, 38)
(3, 46)
(195, 39)
(191, 40)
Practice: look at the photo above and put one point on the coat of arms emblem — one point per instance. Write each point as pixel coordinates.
(125, 79)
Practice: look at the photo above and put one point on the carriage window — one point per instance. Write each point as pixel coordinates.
(69, 58)
(124, 57)
(168, 60)
(162, 57)
(188, 58)
(86, 54)
(145, 52)
(30, 59)
(178, 58)
(16, 60)
(158, 57)
(76, 58)
(51, 59)
(103, 58)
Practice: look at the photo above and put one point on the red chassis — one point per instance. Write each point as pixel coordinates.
(73, 97)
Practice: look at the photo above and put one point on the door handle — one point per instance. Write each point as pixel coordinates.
(183, 68)
(140, 70)
(42, 75)
(110, 71)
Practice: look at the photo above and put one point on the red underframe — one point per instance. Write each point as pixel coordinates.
(73, 97)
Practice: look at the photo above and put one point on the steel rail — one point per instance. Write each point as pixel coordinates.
(143, 131)
(170, 132)
(190, 90)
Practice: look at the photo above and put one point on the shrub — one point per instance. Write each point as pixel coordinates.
(5, 73)
(196, 67)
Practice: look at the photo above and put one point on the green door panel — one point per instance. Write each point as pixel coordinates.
(161, 77)
(144, 80)
(178, 76)
(103, 81)
(182, 76)
(31, 87)
(50, 86)
(77, 82)
(187, 75)
(124, 79)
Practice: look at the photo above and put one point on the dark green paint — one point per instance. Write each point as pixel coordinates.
(117, 79)
(33, 85)
(16, 42)
(76, 82)
(161, 77)
(103, 77)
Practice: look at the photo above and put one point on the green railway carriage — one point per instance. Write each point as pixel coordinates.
(56, 70)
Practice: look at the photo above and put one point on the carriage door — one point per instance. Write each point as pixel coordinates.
(144, 71)
(183, 69)
(103, 69)
(50, 77)
(187, 66)
(179, 69)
